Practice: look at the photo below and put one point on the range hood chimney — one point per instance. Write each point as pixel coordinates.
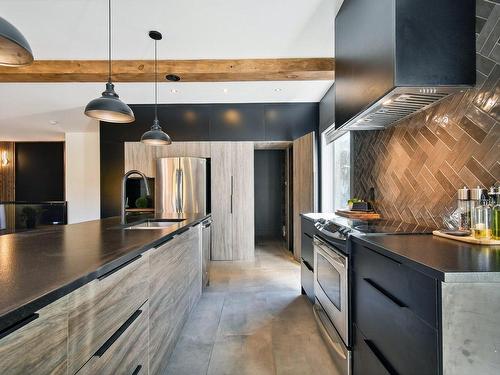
(394, 58)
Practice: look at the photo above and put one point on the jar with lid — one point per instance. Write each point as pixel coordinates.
(463, 207)
(495, 215)
(482, 218)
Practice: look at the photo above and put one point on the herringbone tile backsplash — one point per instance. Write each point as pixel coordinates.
(417, 166)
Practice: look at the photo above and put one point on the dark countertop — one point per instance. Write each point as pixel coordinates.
(38, 267)
(444, 259)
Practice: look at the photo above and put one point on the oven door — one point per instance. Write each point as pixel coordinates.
(330, 285)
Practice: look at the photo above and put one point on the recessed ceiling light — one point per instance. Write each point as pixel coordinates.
(225, 91)
(53, 122)
(174, 91)
(277, 89)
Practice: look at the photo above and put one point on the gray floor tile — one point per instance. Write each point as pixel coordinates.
(252, 320)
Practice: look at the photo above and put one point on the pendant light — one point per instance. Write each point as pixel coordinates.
(156, 136)
(109, 107)
(14, 48)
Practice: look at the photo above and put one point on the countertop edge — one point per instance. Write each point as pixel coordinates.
(12, 317)
(417, 266)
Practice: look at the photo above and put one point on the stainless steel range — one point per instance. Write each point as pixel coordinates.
(332, 278)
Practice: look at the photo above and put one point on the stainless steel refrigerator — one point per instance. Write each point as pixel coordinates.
(181, 186)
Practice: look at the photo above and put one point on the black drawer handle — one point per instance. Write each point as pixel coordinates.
(388, 367)
(109, 273)
(308, 266)
(14, 327)
(100, 352)
(385, 293)
(308, 235)
(137, 370)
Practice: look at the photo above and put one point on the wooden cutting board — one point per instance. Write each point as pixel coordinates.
(468, 239)
(358, 215)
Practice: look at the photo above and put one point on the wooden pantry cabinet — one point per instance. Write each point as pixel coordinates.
(125, 322)
(231, 189)
(232, 194)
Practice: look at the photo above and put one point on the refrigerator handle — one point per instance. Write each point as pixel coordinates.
(232, 194)
(178, 183)
(181, 191)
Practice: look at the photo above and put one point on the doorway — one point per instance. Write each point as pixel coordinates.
(271, 196)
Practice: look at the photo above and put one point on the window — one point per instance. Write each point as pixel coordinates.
(335, 172)
(342, 171)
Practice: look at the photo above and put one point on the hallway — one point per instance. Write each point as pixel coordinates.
(252, 320)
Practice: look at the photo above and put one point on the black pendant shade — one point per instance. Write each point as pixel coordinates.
(14, 48)
(156, 136)
(109, 107)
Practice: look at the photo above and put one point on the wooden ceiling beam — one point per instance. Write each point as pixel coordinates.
(291, 69)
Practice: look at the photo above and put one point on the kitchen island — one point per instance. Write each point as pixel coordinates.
(95, 297)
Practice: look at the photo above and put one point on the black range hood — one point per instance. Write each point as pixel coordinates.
(394, 58)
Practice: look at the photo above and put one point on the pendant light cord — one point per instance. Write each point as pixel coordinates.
(156, 80)
(109, 40)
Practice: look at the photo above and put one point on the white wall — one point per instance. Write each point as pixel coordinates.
(82, 176)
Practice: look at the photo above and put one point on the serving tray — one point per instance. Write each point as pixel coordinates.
(468, 239)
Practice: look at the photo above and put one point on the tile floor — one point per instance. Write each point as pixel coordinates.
(252, 320)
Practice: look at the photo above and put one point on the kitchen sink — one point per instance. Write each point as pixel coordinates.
(155, 224)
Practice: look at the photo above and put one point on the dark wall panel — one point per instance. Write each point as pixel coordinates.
(112, 162)
(289, 121)
(269, 193)
(200, 122)
(39, 171)
(243, 122)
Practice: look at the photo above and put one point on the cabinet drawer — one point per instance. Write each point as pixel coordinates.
(175, 283)
(308, 227)
(364, 357)
(408, 344)
(126, 351)
(38, 344)
(307, 280)
(413, 289)
(99, 308)
(307, 249)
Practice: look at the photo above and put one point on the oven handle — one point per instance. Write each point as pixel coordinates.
(324, 332)
(337, 259)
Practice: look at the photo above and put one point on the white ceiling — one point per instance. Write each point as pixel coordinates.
(192, 29)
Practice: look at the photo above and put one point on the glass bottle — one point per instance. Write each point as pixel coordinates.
(475, 200)
(495, 216)
(482, 219)
(463, 206)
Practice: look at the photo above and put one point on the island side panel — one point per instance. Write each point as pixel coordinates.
(471, 328)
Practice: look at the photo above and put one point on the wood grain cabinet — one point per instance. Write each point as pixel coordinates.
(125, 322)
(232, 193)
(98, 309)
(174, 288)
(38, 344)
(126, 351)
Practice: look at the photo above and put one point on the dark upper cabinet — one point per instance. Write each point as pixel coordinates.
(186, 122)
(289, 121)
(242, 122)
(327, 110)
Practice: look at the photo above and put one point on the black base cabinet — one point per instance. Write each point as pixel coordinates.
(395, 317)
(307, 258)
(365, 360)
